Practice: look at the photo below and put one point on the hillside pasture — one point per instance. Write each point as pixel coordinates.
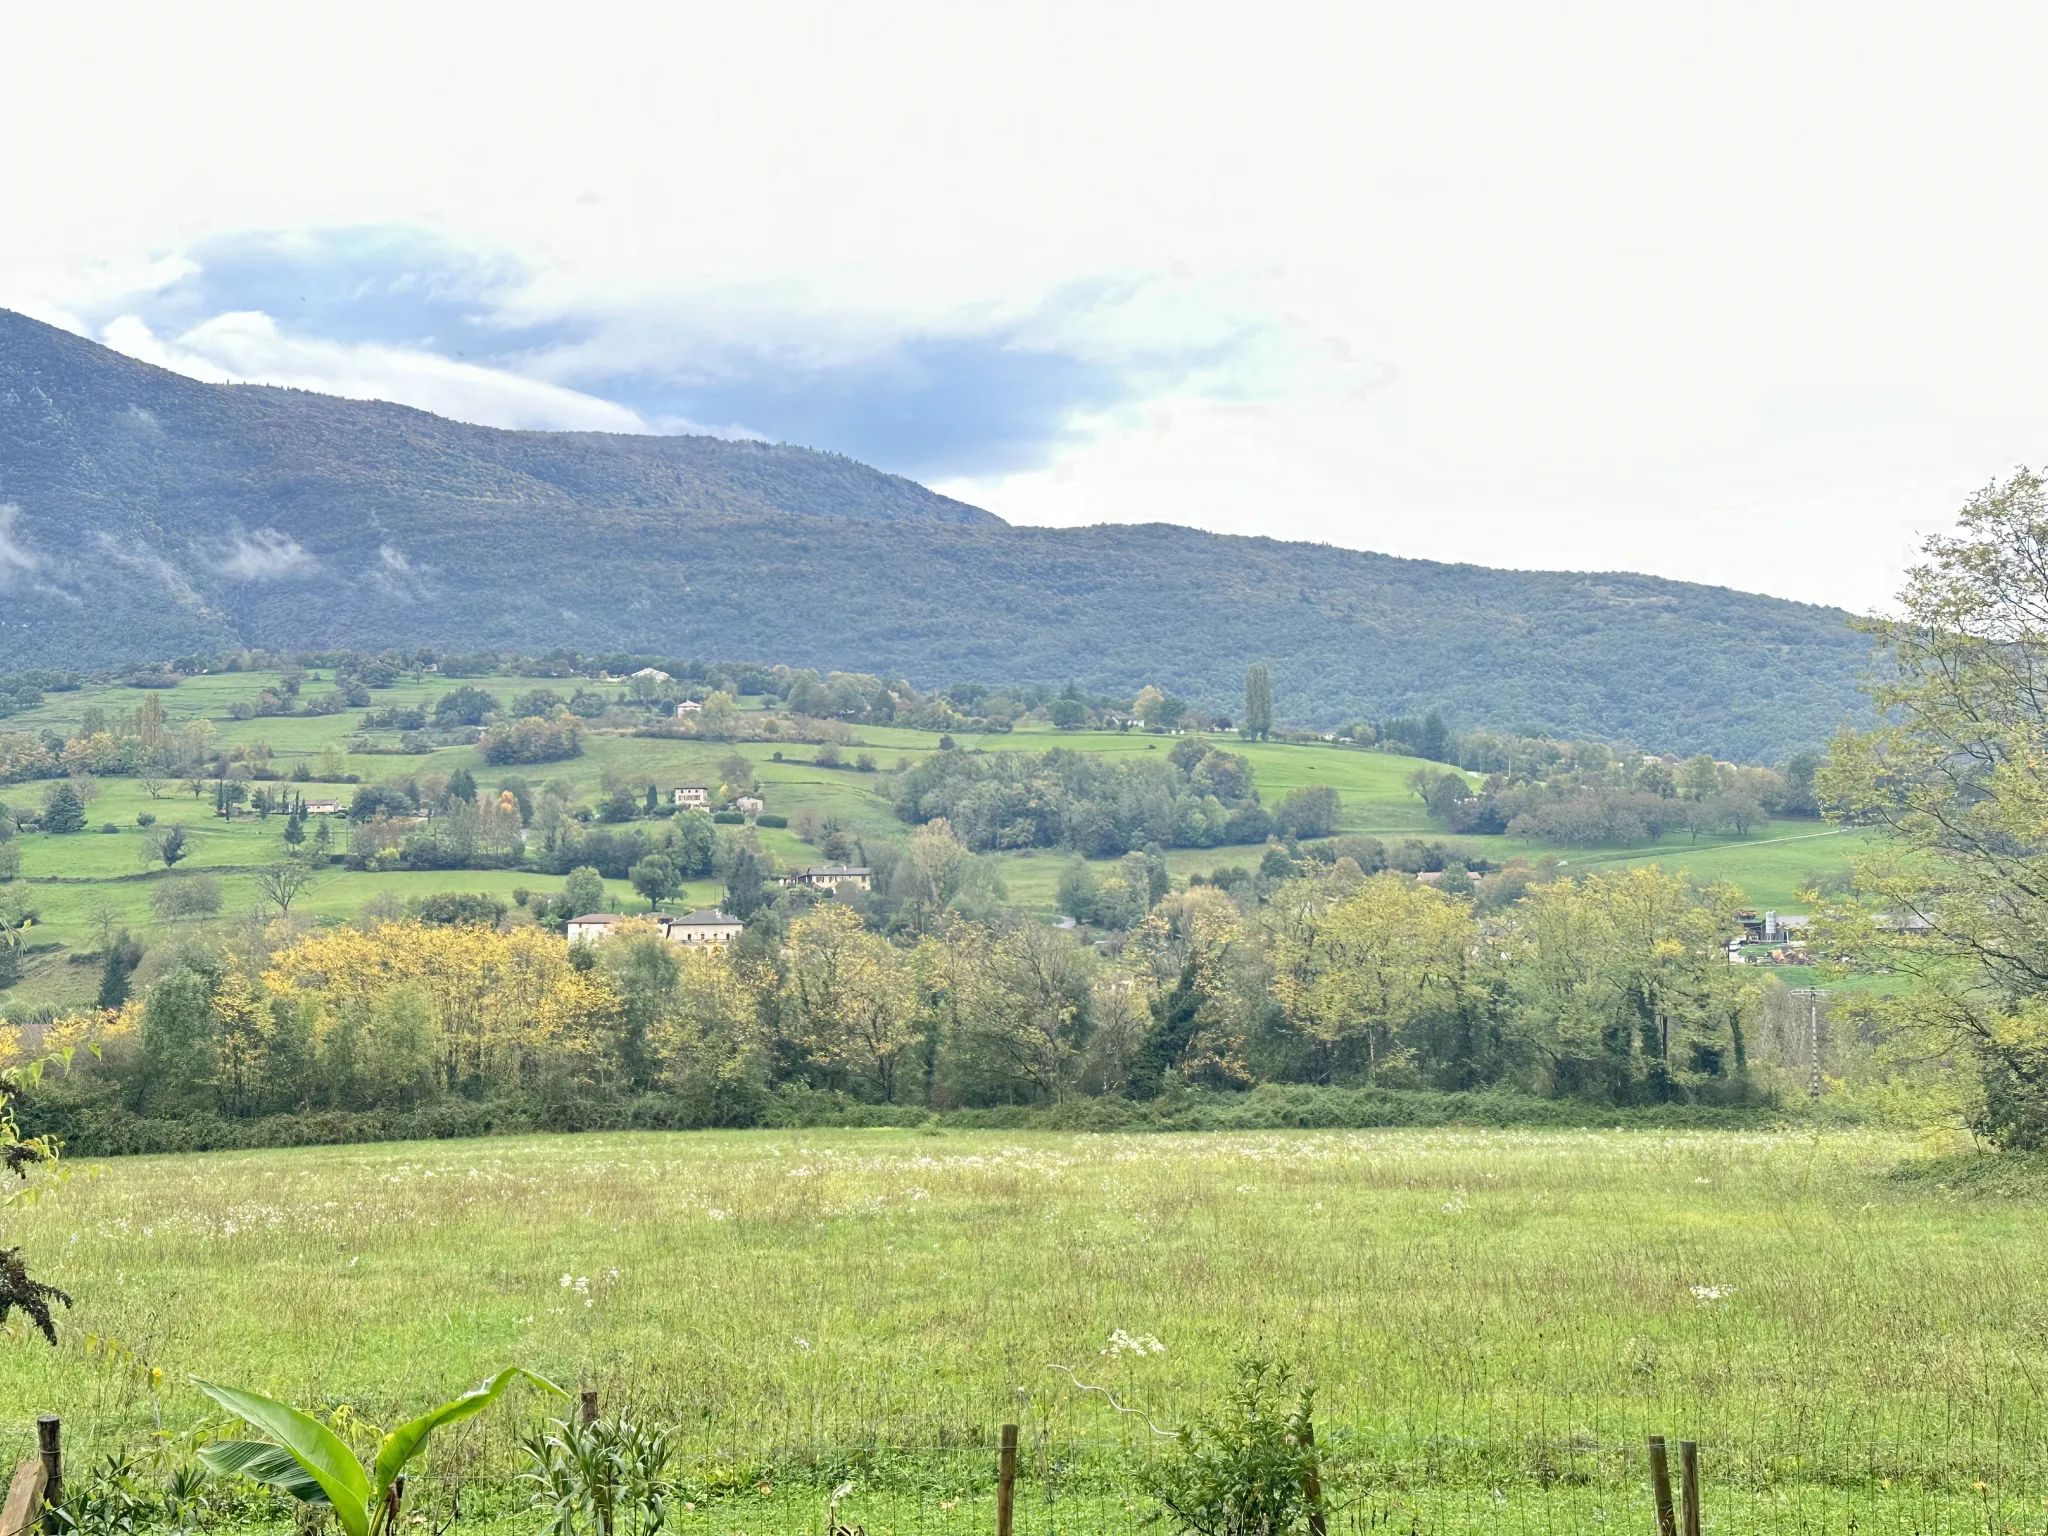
(73, 877)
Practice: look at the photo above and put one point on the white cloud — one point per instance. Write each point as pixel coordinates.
(265, 555)
(250, 347)
(16, 558)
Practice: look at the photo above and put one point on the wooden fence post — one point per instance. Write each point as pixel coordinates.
(590, 1405)
(1689, 1484)
(1312, 1484)
(50, 1444)
(1006, 1483)
(1660, 1487)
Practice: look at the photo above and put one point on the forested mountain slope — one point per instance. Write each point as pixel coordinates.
(143, 514)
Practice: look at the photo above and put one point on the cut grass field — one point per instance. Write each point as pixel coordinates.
(72, 877)
(1493, 1320)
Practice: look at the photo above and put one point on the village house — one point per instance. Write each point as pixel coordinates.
(323, 807)
(687, 708)
(693, 797)
(829, 877)
(705, 928)
(750, 805)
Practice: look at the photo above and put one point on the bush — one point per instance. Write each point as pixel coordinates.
(186, 896)
(728, 818)
(1248, 1470)
(768, 819)
(457, 909)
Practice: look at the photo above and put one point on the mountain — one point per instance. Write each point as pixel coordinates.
(144, 514)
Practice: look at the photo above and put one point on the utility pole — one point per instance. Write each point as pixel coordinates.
(1813, 995)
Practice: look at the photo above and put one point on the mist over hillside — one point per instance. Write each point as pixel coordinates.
(144, 514)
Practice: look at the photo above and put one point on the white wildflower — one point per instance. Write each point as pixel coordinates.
(1707, 1295)
(1122, 1343)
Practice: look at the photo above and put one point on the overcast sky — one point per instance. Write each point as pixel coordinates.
(1751, 295)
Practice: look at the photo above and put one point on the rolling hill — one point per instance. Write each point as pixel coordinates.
(144, 514)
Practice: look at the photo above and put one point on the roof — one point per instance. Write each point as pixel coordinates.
(598, 917)
(709, 917)
(837, 869)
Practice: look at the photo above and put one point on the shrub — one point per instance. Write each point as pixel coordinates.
(186, 896)
(1248, 1470)
(458, 909)
(728, 818)
(769, 819)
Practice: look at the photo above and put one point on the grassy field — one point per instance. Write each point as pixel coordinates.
(1493, 1321)
(103, 872)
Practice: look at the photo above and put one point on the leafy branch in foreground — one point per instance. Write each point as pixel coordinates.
(307, 1460)
(32, 1160)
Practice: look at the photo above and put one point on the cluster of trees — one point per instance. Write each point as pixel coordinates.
(1591, 798)
(1194, 796)
(1613, 987)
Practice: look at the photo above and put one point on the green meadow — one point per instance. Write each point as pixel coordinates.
(87, 879)
(1492, 1321)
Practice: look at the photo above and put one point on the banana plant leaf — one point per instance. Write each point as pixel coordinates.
(404, 1442)
(316, 1448)
(266, 1463)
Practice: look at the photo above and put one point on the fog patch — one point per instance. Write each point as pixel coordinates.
(397, 577)
(16, 558)
(265, 555)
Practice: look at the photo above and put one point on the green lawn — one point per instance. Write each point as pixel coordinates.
(1493, 1320)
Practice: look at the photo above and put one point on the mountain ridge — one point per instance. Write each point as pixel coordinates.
(144, 514)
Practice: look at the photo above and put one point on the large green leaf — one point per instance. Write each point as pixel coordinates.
(316, 1448)
(404, 1442)
(266, 1463)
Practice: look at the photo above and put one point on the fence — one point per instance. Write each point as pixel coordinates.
(1029, 1482)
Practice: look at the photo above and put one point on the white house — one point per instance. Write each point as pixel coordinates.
(750, 805)
(693, 796)
(323, 807)
(687, 708)
(593, 926)
(827, 877)
(707, 927)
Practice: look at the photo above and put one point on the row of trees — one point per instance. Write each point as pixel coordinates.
(1612, 987)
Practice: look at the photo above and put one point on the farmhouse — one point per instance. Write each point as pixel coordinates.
(694, 796)
(687, 708)
(828, 877)
(323, 807)
(706, 928)
(750, 805)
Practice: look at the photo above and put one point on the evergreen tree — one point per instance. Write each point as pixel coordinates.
(461, 788)
(121, 959)
(1258, 703)
(66, 811)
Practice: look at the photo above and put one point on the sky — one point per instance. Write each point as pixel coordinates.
(1742, 294)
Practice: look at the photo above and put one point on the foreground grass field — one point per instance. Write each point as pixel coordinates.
(1493, 1320)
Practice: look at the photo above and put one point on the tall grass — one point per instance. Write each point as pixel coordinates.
(1493, 1319)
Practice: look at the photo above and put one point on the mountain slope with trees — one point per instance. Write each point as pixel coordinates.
(144, 514)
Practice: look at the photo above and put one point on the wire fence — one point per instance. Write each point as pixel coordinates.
(1401, 1480)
